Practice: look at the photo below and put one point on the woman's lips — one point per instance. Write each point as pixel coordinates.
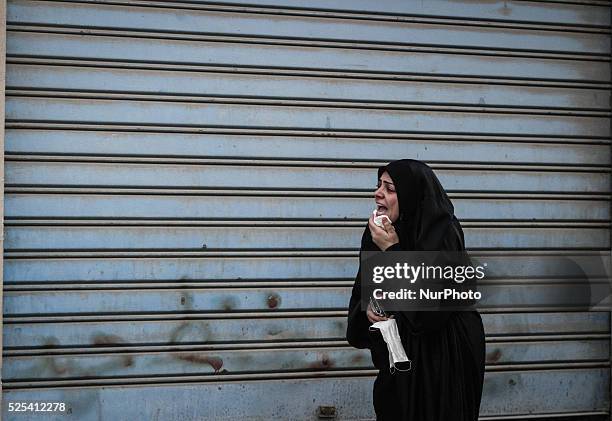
(380, 209)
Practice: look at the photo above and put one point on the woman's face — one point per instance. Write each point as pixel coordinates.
(386, 198)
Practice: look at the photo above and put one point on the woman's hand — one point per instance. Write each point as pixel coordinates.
(373, 317)
(385, 236)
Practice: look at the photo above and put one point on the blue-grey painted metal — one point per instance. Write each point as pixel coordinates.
(208, 22)
(195, 361)
(238, 204)
(189, 238)
(289, 177)
(589, 14)
(118, 47)
(208, 329)
(253, 299)
(392, 93)
(187, 182)
(467, 148)
(569, 391)
(210, 113)
(64, 266)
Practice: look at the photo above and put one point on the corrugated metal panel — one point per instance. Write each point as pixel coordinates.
(186, 184)
(576, 391)
(279, 328)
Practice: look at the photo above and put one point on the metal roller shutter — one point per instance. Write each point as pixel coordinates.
(187, 182)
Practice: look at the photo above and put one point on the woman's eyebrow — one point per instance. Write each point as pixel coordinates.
(386, 182)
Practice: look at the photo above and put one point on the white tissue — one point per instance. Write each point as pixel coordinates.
(390, 333)
(378, 220)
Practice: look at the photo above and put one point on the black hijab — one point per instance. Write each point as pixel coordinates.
(426, 215)
(426, 222)
(447, 348)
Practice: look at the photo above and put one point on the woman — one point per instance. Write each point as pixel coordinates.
(447, 349)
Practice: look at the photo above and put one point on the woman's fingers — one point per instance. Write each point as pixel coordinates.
(388, 226)
(373, 226)
(373, 317)
(370, 315)
(384, 236)
(375, 229)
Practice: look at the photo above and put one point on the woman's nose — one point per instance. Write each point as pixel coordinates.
(378, 193)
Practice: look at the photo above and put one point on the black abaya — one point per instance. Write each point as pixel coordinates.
(447, 348)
